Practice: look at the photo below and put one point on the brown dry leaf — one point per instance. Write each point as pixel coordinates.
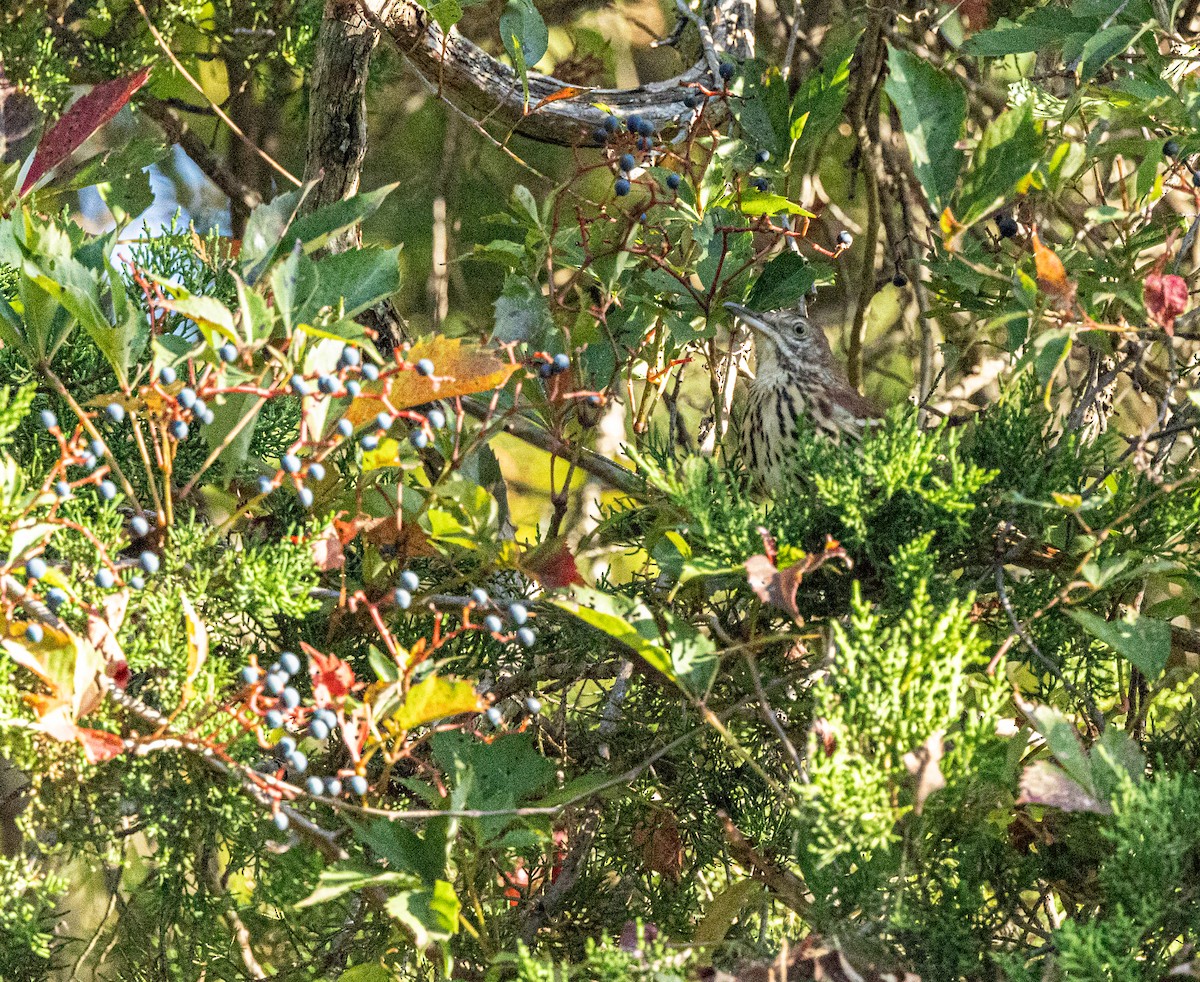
(102, 631)
(1166, 297)
(924, 764)
(459, 369)
(327, 550)
(1051, 274)
(1044, 784)
(777, 587)
(660, 845)
(552, 564)
(567, 92)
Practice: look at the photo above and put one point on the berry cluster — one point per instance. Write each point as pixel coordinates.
(347, 381)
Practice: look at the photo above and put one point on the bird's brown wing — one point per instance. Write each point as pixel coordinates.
(858, 406)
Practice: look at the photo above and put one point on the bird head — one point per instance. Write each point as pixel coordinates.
(786, 336)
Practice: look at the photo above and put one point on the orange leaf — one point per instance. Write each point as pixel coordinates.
(333, 679)
(458, 370)
(1051, 274)
(99, 745)
(567, 92)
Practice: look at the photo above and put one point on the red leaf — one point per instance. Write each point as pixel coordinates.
(99, 745)
(333, 679)
(552, 566)
(80, 121)
(1166, 297)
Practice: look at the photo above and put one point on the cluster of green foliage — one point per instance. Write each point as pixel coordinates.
(930, 701)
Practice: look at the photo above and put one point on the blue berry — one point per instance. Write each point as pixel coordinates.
(316, 471)
(227, 353)
(139, 526)
(357, 784)
(370, 372)
(179, 430)
(419, 439)
(350, 356)
(305, 497)
(425, 367)
(533, 705)
(56, 597)
(149, 562)
(612, 124)
(1170, 149)
(97, 447)
(436, 418)
(762, 156)
(599, 135)
(495, 717)
(116, 412)
(206, 417)
(287, 744)
(647, 128)
(526, 637)
(761, 184)
(410, 579)
(48, 419)
(298, 385)
(369, 442)
(187, 397)
(281, 821)
(845, 239)
(276, 682)
(634, 123)
(492, 623)
(298, 761)
(643, 143)
(276, 667)
(622, 187)
(137, 583)
(561, 363)
(265, 485)
(333, 787)
(517, 613)
(167, 376)
(327, 384)
(88, 461)
(353, 389)
(290, 698)
(249, 674)
(34, 633)
(289, 662)
(345, 427)
(108, 490)
(693, 99)
(35, 568)
(627, 162)
(274, 719)
(104, 578)
(727, 70)
(480, 596)
(315, 785)
(546, 369)
(673, 181)
(318, 730)
(384, 421)
(290, 463)
(62, 489)
(402, 597)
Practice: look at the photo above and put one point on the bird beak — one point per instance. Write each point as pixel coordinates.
(751, 319)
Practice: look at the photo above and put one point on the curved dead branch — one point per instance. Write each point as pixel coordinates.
(491, 91)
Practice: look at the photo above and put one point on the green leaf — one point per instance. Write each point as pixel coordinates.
(357, 279)
(316, 229)
(264, 231)
(335, 881)
(430, 914)
(1010, 148)
(525, 38)
(933, 109)
(821, 96)
(447, 13)
(1144, 641)
(522, 313)
(782, 283)
(1103, 47)
(754, 203)
(404, 850)
(228, 411)
(694, 659)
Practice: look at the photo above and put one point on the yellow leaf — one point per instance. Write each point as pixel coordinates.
(458, 370)
(436, 698)
(197, 642)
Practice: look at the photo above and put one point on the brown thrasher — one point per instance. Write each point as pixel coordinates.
(795, 373)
